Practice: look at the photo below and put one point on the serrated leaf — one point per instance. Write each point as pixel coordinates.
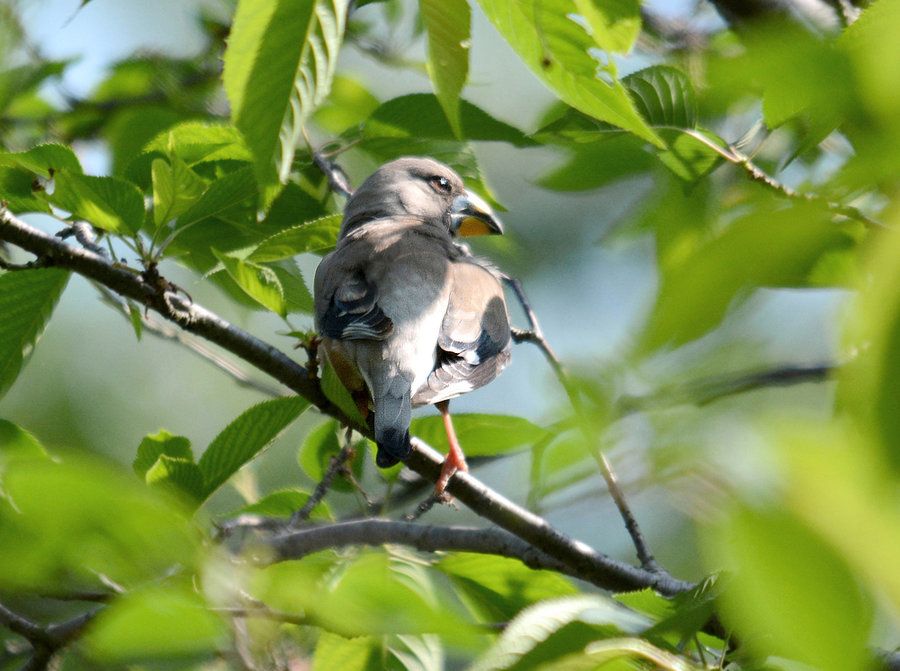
(175, 188)
(279, 63)
(558, 50)
(257, 281)
(232, 197)
(296, 294)
(44, 160)
(27, 299)
(198, 142)
(169, 623)
(317, 237)
(110, 203)
(245, 437)
(179, 473)
(541, 634)
(480, 434)
(664, 96)
(448, 25)
(154, 445)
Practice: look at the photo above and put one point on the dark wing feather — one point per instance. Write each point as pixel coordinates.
(347, 304)
(474, 342)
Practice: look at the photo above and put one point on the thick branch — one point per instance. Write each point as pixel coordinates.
(426, 462)
(427, 538)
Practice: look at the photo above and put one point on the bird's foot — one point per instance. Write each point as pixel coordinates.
(454, 461)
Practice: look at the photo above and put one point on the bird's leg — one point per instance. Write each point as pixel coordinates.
(455, 459)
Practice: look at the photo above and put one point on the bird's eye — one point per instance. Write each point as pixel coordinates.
(440, 184)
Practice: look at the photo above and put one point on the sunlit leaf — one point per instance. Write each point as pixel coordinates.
(109, 203)
(337, 393)
(317, 237)
(558, 51)
(245, 437)
(175, 188)
(257, 281)
(279, 63)
(448, 24)
(20, 192)
(361, 653)
(320, 446)
(153, 624)
(232, 197)
(17, 443)
(349, 104)
(614, 24)
(27, 299)
(157, 444)
(44, 160)
(282, 503)
(178, 473)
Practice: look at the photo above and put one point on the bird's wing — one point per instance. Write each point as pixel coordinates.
(346, 302)
(474, 341)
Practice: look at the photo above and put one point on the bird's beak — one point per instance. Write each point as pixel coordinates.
(470, 215)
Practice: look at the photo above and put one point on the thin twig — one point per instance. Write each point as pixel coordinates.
(535, 335)
(424, 506)
(45, 640)
(334, 467)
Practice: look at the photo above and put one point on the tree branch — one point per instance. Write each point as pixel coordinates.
(45, 640)
(604, 571)
(425, 461)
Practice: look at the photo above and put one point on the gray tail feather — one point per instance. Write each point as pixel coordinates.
(392, 417)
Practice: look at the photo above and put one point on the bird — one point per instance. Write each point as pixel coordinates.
(406, 315)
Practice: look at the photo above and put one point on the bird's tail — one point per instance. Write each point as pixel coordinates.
(392, 417)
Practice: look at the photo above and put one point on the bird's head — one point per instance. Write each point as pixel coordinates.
(425, 189)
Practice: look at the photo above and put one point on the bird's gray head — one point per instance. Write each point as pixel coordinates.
(422, 188)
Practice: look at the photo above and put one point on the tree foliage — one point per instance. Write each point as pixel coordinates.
(769, 146)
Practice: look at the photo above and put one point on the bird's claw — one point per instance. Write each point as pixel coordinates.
(452, 463)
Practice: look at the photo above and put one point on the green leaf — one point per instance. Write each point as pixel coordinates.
(126, 531)
(597, 654)
(17, 443)
(497, 588)
(25, 78)
(765, 249)
(109, 203)
(130, 129)
(419, 116)
(349, 104)
(180, 474)
(338, 394)
(776, 594)
(232, 197)
(175, 188)
(557, 49)
(362, 653)
(44, 160)
(558, 627)
(296, 294)
(319, 446)
(448, 24)
(664, 96)
(137, 322)
(245, 437)
(197, 142)
(596, 164)
(257, 281)
(480, 435)
(614, 24)
(154, 445)
(317, 237)
(279, 63)
(20, 191)
(292, 207)
(282, 503)
(156, 623)
(27, 298)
